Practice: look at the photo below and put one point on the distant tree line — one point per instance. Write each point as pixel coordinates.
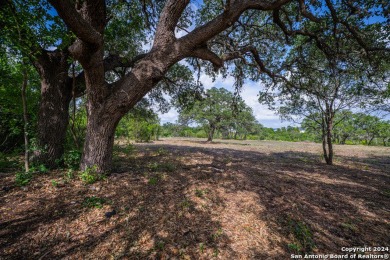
(360, 129)
(259, 132)
(353, 128)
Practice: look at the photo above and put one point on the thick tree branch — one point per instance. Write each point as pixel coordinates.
(262, 5)
(114, 61)
(261, 64)
(111, 62)
(169, 18)
(83, 29)
(205, 54)
(223, 21)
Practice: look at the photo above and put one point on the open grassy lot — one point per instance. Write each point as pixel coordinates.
(187, 199)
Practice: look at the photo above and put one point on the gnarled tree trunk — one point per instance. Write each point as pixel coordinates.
(25, 120)
(107, 103)
(99, 142)
(53, 115)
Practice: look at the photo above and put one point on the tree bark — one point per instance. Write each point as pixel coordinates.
(53, 114)
(329, 128)
(25, 119)
(103, 116)
(325, 144)
(211, 134)
(99, 142)
(324, 149)
(108, 104)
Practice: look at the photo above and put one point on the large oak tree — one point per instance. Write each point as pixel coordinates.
(234, 31)
(36, 32)
(30, 30)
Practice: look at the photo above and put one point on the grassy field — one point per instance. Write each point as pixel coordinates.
(187, 199)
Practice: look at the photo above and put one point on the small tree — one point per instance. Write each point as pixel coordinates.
(384, 132)
(212, 112)
(318, 89)
(369, 126)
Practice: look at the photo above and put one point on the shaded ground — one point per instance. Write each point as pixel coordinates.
(182, 198)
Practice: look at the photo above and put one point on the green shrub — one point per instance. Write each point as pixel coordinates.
(23, 178)
(199, 193)
(41, 168)
(38, 168)
(303, 236)
(93, 202)
(386, 193)
(7, 162)
(90, 175)
(201, 134)
(153, 181)
(126, 149)
(185, 204)
(160, 245)
(153, 166)
(294, 248)
(69, 174)
(72, 159)
(168, 167)
(254, 137)
(161, 151)
(164, 167)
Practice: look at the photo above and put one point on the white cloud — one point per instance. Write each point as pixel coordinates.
(250, 95)
(170, 116)
(219, 82)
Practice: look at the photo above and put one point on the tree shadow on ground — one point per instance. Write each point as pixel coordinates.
(342, 205)
(199, 202)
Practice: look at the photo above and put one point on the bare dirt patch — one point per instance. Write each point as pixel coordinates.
(183, 198)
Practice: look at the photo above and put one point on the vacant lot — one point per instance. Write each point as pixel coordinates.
(184, 198)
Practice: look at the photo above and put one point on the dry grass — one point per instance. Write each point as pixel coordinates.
(182, 198)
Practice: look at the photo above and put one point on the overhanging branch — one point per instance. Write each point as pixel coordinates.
(114, 61)
(169, 18)
(83, 30)
(205, 54)
(203, 33)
